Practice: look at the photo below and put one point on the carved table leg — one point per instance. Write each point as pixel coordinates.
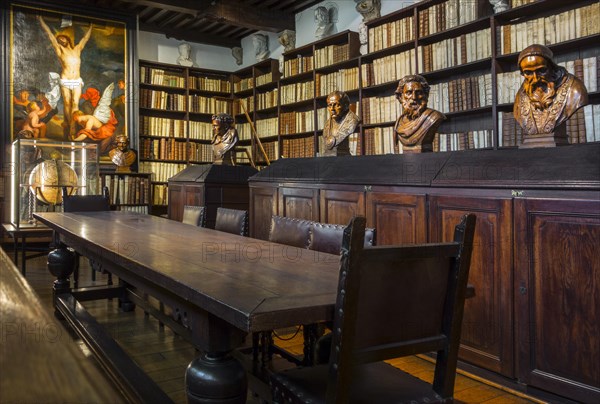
(61, 263)
(125, 304)
(216, 378)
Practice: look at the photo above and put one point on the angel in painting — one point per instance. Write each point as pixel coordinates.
(101, 124)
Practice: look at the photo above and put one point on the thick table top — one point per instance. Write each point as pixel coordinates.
(252, 284)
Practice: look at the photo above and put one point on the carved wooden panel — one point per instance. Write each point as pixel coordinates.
(338, 207)
(397, 218)
(176, 202)
(558, 276)
(486, 338)
(300, 203)
(263, 204)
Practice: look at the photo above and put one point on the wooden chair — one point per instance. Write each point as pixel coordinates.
(232, 221)
(392, 302)
(86, 203)
(194, 215)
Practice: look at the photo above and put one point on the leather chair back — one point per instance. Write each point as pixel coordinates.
(327, 238)
(290, 231)
(86, 203)
(232, 221)
(194, 215)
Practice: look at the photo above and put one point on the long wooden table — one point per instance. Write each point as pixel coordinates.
(225, 286)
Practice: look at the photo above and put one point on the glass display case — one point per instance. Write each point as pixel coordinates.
(41, 168)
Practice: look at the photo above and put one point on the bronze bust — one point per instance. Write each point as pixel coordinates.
(122, 156)
(548, 96)
(417, 124)
(224, 139)
(341, 123)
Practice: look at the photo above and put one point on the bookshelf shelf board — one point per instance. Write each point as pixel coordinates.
(182, 139)
(162, 112)
(471, 111)
(267, 86)
(442, 74)
(378, 125)
(322, 99)
(505, 107)
(296, 77)
(196, 91)
(200, 162)
(267, 138)
(345, 64)
(244, 93)
(297, 135)
(165, 161)
(128, 204)
(158, 183)
(158, 87)
(380, 87)
(267, 110)
(472, 26)
(573, 44)
(405, 46)
(200, 114)
(298, 104)
(532, 10)
(203, 141)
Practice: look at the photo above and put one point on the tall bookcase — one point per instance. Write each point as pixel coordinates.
(467, 53)
(458, 47)
(176, 104)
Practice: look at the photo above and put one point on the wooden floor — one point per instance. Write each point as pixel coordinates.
(165, 356)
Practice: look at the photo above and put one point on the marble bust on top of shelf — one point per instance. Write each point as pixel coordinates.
(325, 19)
(341, 124)
(238, 54)
(225, 137)
(261, 47)
(417, 124)
(184, 59)
(548, 97)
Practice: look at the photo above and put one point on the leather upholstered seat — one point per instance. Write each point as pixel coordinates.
(290, 231)
(327, 238)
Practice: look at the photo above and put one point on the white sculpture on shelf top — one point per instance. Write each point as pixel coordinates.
(238, 54)
(326, 16)
(261, 46)
(184, 59)
(369, 9)
(499, 5)
(287, 38)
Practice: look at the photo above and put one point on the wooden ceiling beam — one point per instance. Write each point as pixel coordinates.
(191, 35)
(229, 12)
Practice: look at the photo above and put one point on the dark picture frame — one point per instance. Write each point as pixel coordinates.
(43, 68)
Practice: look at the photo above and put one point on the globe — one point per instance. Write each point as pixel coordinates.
(47, 179)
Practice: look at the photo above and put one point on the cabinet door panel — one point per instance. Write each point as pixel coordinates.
(299, 203)
(486, 338)
(338, 207)
(176, 202)
(397, 218)
(558, 316)
(263, 204)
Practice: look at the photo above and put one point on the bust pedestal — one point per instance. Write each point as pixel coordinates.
(553, 139)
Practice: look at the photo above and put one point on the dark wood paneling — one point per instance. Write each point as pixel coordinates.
(176, 202)
(558, 276)
(263, 204)
(338, 207)
(397, 218)
(486, 338)
(299, 203)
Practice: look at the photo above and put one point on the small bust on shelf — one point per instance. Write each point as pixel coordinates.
(261, 47)
(417, 124)
(224, 139)
(547, 98)
(122, 156)
(341, 124)
(185, 51)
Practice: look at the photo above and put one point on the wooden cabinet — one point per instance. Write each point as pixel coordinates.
(486, 338)
(209, 185)
(557, 284)
(535, 317)
(397, 218)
